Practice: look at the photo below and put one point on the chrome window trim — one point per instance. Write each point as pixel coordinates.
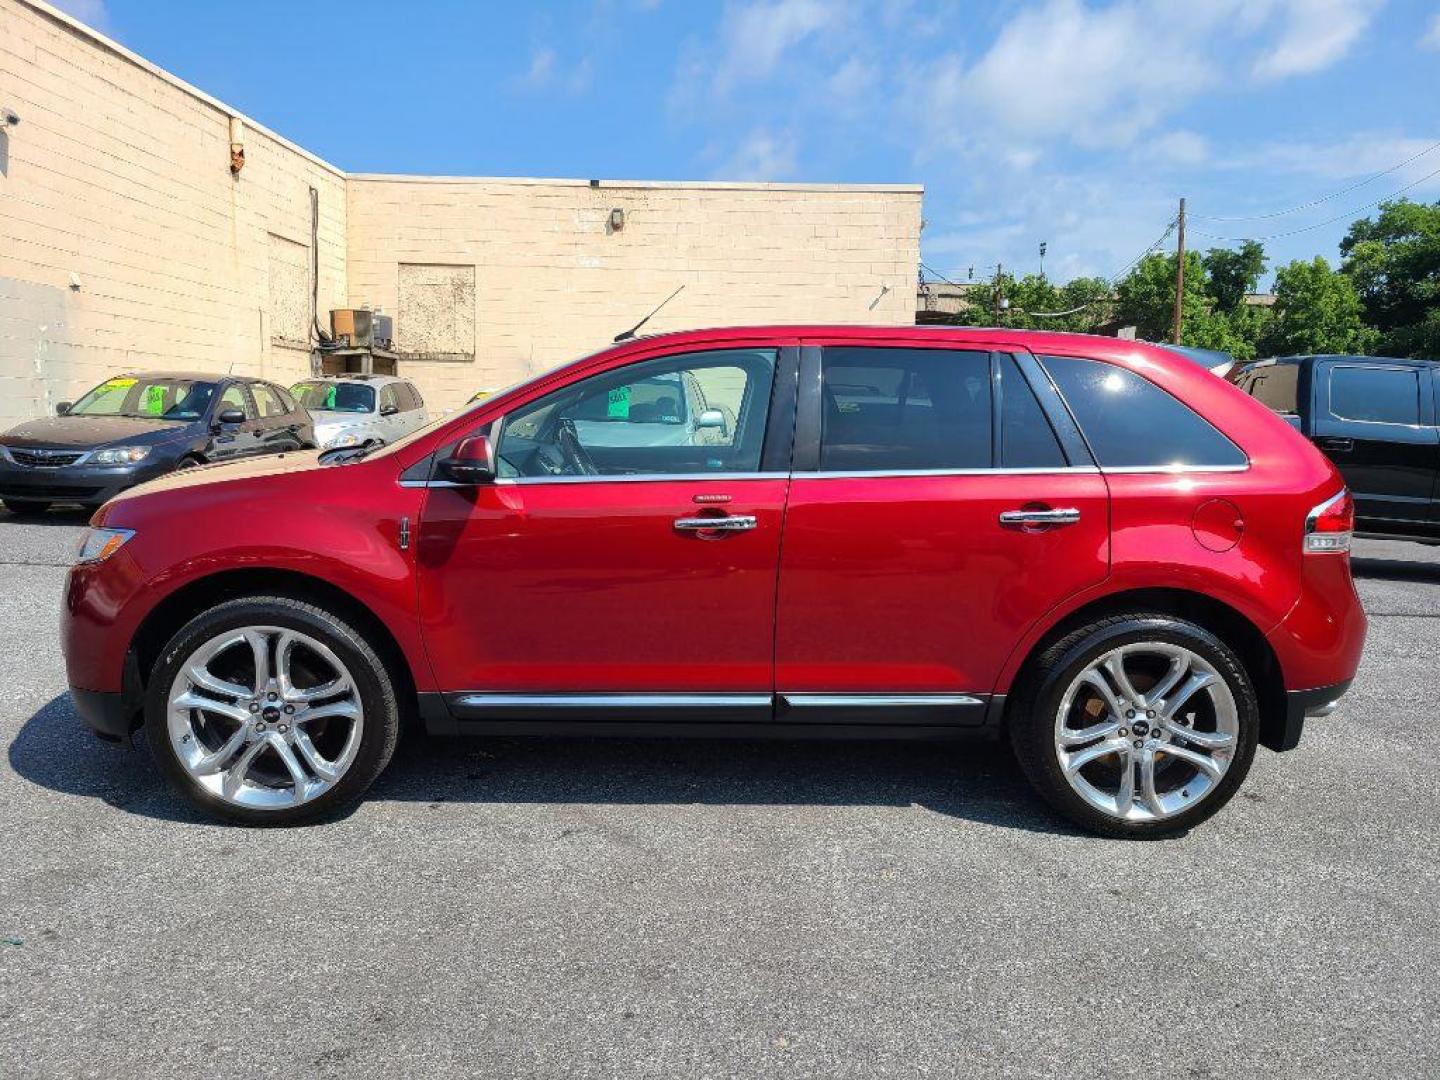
(808, 701)
(623, 701)
(1176, 469)
(619, 478)
(857, 474)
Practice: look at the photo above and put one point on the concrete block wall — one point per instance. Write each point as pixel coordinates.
(554, 280)
(118, 174)
(125, 243)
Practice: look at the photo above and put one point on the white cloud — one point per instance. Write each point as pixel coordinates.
(1431, 40)
(761, 155)
(1315, 34)
(756, 36)
(1178, 148)
(546, 71)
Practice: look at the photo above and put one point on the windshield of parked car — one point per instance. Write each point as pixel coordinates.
(144, 398)
(346, 397)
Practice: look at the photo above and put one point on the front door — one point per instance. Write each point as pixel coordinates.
(936, 511)
(624, 559)
(231, 441)
(1377, 423)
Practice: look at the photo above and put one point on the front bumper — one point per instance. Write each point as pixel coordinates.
(1300, 705)
(89, 485)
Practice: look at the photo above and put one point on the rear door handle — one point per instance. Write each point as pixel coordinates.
(734, 523)
(1067, 516)
(1335, 442)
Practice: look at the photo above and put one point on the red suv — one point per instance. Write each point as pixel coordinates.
(1093, 547)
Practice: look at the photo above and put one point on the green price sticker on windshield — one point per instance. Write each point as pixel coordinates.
(154, 400)
(617, 404)
(330, 397)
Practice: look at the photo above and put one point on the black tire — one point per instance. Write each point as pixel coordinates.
(373, 683)
(1033, 708)
(188, 463)
(25, 506)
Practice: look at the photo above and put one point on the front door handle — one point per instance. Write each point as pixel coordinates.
(1067, 516)
(1336, 443)
(736, 523)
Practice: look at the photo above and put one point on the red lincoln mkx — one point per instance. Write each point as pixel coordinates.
(1094, 547)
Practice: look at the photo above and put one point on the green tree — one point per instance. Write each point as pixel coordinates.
(1317, 310)
(1394, 262)
(1232, 274)
(1146, 298)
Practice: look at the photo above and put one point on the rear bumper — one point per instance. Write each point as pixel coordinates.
(1299, 706)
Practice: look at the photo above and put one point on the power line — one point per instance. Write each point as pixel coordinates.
(1321, 224)
(1323, 198)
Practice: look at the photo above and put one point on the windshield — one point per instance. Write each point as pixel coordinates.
(346, 397)
(147, 399)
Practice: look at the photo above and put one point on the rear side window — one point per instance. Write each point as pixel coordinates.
(1276, 385)
(1130, 423)
(1027, 440)
(904, 409)
(1375, 395)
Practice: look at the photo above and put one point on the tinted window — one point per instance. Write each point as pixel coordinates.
(1375, 395)
(652, 418)
(1027, 440)
(904, 409)
(1276, 385)
(1130, 423)
(267, 401)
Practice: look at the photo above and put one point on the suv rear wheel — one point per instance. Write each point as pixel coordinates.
(1140, 725)
(270, 710)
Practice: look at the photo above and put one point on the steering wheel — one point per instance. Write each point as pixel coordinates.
(575, 455)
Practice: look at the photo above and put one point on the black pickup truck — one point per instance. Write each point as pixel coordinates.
(1376, 418)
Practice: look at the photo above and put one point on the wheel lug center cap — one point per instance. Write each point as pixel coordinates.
(1141, 728)
(271, 714)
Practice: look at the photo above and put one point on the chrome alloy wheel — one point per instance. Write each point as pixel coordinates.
(265, 717)
(1146, 731)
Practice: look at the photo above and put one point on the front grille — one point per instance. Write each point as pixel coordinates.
(44, 459)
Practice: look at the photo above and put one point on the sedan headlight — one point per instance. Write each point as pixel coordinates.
(120, 455)
(343, 440)
(97, 545)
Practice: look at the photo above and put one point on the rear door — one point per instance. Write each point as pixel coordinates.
(279, 428)
(1376, 421)
(941, 503)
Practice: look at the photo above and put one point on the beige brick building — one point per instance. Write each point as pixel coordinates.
(126, 243)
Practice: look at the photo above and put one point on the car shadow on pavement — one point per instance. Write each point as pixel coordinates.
(976, 781)
(71, 516)
(1394, 569)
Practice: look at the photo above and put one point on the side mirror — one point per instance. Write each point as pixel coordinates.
(63, 409)
(471, 462)
(389, 410)
(712, 418)
(231, 416)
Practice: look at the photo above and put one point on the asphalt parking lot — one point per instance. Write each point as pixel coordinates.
(671, 909)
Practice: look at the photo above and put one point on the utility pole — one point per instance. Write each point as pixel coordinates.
(999, 269)
(1180, 275)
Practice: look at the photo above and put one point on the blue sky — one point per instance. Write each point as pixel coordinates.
(1077, 123)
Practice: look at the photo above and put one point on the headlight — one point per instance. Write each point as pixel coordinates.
(120, 455)
(97, 545)
(343, 440)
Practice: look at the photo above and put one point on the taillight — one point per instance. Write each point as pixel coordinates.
(1330, 525)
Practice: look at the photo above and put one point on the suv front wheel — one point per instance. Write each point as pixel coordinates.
(1139, 725)
(270, 711)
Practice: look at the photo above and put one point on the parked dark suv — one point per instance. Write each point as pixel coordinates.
(1376, 418)
(133, 428)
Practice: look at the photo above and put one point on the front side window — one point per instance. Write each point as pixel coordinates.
(235, 397)
(1130, 423)
(904, 409)
(150, 399)
(694, 413)
(1375, 395)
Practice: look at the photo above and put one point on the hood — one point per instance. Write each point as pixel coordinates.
(252, 468)
(88, 432)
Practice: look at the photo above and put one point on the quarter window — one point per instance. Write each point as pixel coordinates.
(1130, 423)
(904, 409)
(694, 413)
(1375, 395)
